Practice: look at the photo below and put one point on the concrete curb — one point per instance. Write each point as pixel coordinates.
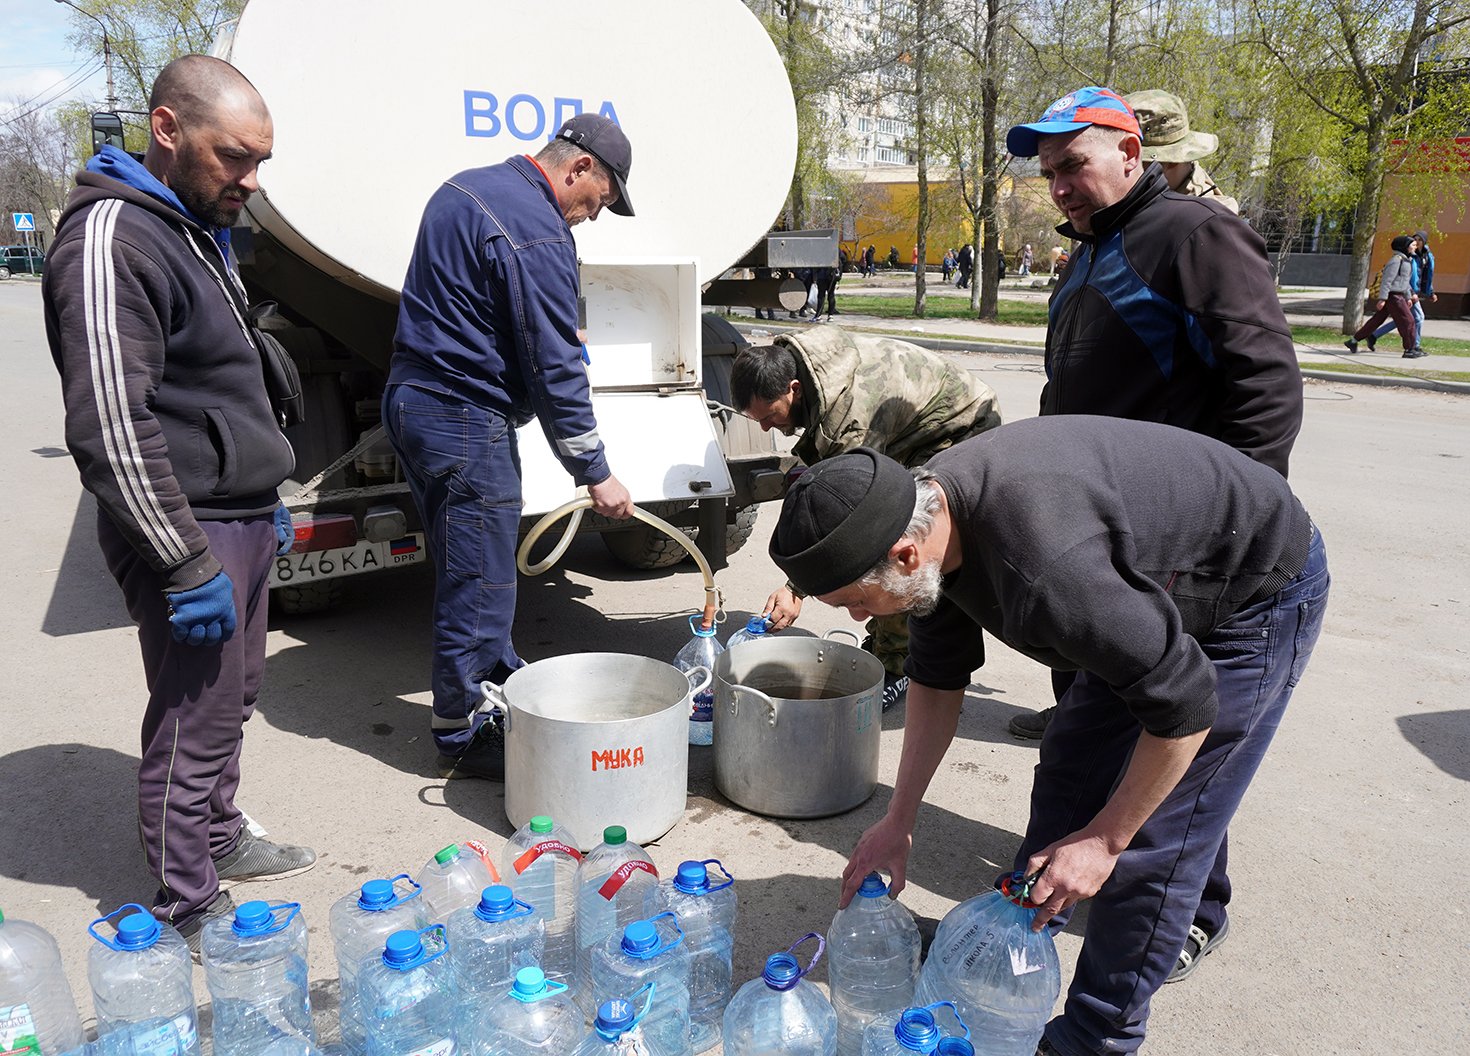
(942, 344)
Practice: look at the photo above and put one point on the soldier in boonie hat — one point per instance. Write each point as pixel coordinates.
(1168, 139)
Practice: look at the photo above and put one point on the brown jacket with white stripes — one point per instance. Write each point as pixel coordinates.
(167, 414)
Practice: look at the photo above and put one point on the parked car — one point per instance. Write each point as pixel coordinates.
(20, 260)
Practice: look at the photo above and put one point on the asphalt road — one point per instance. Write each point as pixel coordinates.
(1348, 855)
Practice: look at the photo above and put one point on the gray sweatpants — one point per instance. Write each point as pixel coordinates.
(199, 698)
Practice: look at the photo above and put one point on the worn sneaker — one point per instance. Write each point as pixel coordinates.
(1351, 344)
(895, 690)
(1197, 946)
(1031, 726)
(193, 930)
(257, 859)
(483, 758)
(1415, 353)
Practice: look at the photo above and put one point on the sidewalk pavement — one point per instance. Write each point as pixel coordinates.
(1309, 307)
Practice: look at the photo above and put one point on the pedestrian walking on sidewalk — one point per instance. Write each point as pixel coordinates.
(1394, 299)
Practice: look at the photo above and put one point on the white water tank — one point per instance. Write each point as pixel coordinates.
(377, 102)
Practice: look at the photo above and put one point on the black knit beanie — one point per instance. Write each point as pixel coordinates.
(840, 519)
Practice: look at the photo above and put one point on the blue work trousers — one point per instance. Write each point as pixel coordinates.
(1138, 922)
(463, 468)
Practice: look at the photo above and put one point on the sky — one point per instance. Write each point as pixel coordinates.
(36, 60)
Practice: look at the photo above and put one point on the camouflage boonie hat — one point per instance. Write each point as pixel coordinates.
(1166, 133)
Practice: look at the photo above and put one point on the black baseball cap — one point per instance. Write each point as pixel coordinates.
(605, 141)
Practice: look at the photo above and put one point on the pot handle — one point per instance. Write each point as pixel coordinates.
(699, 686)
(495, 706)
(839, 630)
(735, 692)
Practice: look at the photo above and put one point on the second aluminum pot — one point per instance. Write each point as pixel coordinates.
(597, 739)
(797, 722)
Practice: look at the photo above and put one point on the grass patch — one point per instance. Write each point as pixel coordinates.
(1332, 339)
(1389, 372)
(944, 305)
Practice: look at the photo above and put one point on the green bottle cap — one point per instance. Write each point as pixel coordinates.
(448, 854)
(541, 823)
(614, 834)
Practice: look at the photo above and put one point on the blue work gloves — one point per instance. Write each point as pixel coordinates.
(285, 533)
(204, 615)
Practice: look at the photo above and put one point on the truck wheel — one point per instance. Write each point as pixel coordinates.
(645, 547)
(308, 598)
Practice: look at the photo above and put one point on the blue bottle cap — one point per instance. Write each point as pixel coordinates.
(640, 937)
(376, 895)
(614, 1017)
(496, 903)
(781, 971)
(138, 931)
(252, 918)
(757, 625)
(915, 1030)
(530, 981)
(402, 947)
(873, 886)
(954, 1047)
(692, 878)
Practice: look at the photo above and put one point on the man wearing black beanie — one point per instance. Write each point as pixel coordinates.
(1182, 581)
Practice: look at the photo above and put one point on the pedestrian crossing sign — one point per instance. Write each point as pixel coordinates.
(23, 221)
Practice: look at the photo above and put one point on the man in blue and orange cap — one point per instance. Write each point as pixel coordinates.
(1166, 312)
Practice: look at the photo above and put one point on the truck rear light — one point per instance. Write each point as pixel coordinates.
(328, 531)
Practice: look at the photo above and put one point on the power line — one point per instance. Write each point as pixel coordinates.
(66, 76)
(76, 79)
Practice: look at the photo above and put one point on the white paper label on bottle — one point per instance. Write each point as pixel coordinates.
(442, 1047)
(173, 1038)
(18, 1032)
(1020, 965)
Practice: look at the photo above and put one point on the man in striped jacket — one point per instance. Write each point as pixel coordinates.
(169, 421)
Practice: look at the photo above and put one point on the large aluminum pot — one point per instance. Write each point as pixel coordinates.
(796, 726)
(597, 739)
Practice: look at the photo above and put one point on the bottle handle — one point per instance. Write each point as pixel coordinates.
(957, 1017)
(294, 907)
(729, 876)
(112, 944)
(661, 948)
(398, 899)
(821, 948)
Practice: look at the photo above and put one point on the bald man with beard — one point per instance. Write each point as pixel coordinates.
(175, 435)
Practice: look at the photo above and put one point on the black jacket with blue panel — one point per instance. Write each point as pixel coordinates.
(1167, 312)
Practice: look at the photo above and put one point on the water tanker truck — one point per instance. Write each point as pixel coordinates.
(376, 103)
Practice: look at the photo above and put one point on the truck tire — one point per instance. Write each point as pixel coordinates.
(308, 598)
(644, 547)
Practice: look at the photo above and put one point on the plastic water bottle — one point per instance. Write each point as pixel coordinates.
(781, 1011)
(408, 999)
(491, 941)
(649, 951)
(255, 964)
(454, 878)
(1002, 976)
(613, 883)
(907, 1030)
(41, 1012)
(360, 924)
(143, 985)
(536, 1017)
(706, 912)
(617, 1029)
(701, 651)
(953, 1046)
(872, 961)
(540, 864)
(753, 631)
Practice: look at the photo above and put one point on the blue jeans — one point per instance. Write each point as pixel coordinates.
(463, 468)
(1138, 921)
(1418, 310)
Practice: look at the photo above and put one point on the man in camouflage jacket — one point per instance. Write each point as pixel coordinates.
(844, 391)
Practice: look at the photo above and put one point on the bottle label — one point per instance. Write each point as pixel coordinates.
(18, 1032)
(525, 861)
(484, 855)
(173, 1038)
(704, 707)
(613, 884)
(442, 1047)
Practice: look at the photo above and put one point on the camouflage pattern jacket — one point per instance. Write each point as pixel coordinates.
(1202, 185)
(866, 391)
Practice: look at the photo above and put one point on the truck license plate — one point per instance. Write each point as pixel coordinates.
(314, 565)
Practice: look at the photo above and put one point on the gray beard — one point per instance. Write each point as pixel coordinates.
(919, 592)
